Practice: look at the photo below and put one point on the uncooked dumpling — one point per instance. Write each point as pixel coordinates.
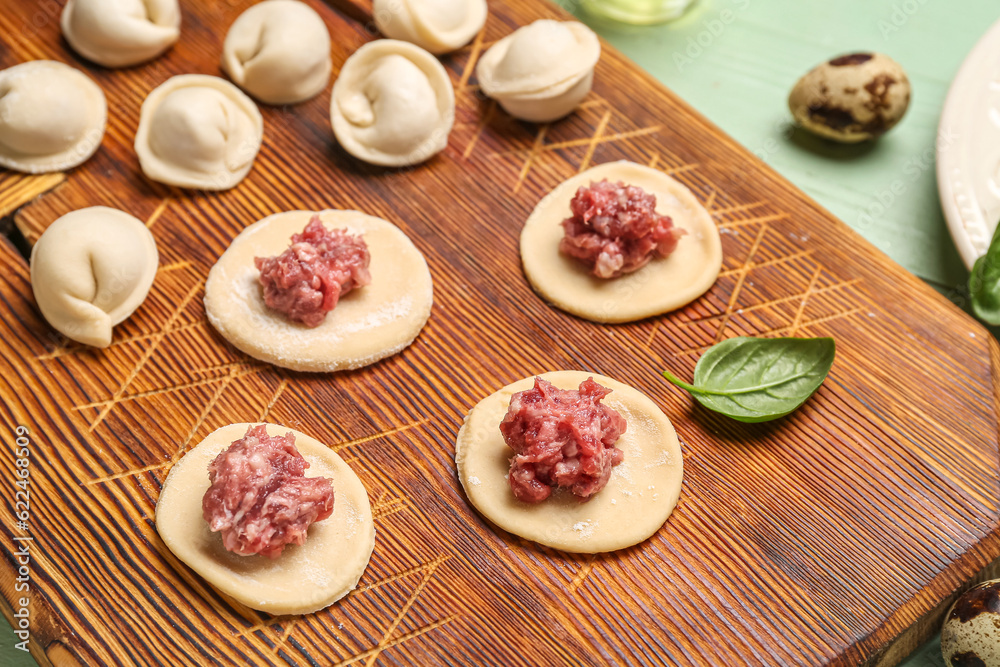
(90, 270)
(542, 71)
(439, 26)
(52, 117)
(198, 131)
(279, 52)
(393, 104)
(119, 33)
(304, 578)
(639, 496)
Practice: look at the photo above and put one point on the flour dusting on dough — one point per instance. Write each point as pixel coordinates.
(663, 459)
(390, 312)
(584, 528)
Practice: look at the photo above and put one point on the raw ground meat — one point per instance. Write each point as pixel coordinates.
(561, 438)
(615, 229)
(307, 280)
(259, 499)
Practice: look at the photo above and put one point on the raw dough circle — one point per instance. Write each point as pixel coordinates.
(198, 131)
(638, 499)
(52, 117)
(279, 52)
(123, 32)
(439, 26)
(90, 270)
(660, 286)
(303, 579)
(393, 104)
(368, 324)
(541, 71)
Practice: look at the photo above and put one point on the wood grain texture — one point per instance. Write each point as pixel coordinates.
(816, 540)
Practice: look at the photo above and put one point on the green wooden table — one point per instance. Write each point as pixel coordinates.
(736, 60)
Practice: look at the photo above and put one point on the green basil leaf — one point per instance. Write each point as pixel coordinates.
(759, 379)
(984, 283)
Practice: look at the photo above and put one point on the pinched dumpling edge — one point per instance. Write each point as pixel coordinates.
(437, 77)
(159, 170)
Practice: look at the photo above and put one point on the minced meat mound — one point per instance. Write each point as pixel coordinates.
(260, 499)
(561, 438)
(615, 229)
(307, 280)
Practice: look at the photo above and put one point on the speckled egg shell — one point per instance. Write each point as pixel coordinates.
(970, 636)
(851, 98)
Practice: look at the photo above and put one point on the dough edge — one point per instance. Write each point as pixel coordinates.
(178, 537)
(474, 454)
(557, 278)
(218, 293)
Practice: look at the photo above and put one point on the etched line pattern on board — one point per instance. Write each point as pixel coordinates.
(477, 47)
(199, 422)
(581, 576)
(822, 289)
(528, 151)
(281, 630)
(18, 189)
(599, 136)
(69, 347)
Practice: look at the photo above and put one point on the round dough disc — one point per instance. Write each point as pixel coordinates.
(640, 495)
(368, 324)
(659, 287)
(302, 579)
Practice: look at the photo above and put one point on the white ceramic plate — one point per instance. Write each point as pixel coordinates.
(968, 149)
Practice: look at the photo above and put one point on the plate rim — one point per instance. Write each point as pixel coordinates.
(949, 188)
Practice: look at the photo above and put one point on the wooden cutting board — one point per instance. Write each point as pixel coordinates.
(832, 537)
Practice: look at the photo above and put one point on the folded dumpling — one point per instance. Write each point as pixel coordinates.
(541, 71)
(90, 270)
(198, 131)
(279, 52)
(439, 26)
(119, 33)
(52, 117)
(393, 104)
